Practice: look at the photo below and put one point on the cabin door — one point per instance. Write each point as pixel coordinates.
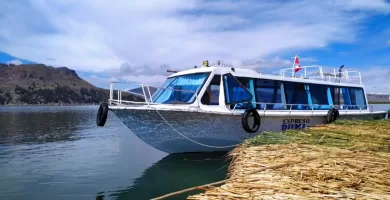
(237, 93)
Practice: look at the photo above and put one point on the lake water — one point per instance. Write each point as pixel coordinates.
(49, 152)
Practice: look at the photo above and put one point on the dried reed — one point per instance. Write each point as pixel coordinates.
(352, 162)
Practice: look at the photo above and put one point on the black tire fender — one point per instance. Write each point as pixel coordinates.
(257, 120)
(102, 114)
(332, 115)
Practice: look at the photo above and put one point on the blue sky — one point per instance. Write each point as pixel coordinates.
(139, 40)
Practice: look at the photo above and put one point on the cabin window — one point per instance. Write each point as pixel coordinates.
(337, 97)
(358, 99)
(296, 94)
(351, 98)
(211, 95)
(268, 91)
(235, 91)
(248, 83)
(180, 89)
(319, 94)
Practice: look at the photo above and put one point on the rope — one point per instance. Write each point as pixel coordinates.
(205, 145)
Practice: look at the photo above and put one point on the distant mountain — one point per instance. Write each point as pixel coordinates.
(378, 98)
(41, 84)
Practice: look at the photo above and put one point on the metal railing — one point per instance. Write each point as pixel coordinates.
(326, 74)
(146, 94)
(310, 107)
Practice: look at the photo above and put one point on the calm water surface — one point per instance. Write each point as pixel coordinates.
(59, 153)
(49, 152)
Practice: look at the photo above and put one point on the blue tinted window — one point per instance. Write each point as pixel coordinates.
(296, 93)
(268, 91)
(336, 95)
(319, 94)
(235, 92)
(357, 98)
(351, 98)
(180, 89)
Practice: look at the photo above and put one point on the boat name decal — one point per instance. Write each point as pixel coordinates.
(294, 124)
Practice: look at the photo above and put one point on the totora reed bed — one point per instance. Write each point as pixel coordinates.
(343, 160)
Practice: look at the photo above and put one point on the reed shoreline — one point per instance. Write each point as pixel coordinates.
(345, 159)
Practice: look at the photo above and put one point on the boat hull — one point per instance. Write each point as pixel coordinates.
(184, 131)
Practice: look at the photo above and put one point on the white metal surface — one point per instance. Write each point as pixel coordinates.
(327, 76)
(324, 74)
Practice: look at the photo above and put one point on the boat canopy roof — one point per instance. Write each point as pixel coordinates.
(311, 74)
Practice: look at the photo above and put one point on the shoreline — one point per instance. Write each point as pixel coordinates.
(76, 104)
(346, 159)
(378, 102)
(29, 105)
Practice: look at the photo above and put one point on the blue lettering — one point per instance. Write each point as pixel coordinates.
(300, 126)
(284, 127)
(293, 126)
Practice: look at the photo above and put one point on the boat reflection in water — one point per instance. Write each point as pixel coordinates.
(175, 172)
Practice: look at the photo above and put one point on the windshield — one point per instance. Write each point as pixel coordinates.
(180, 89)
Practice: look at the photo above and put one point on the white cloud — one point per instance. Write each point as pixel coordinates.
(101, 36)
(376, 79)
(154, 80)
(388, 42)
(104, 82)
(371, 5)
(15, 62)
(98, 81)
(274, 64)
(308, 59)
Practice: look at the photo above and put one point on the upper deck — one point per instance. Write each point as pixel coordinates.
(324, 74)
(314, 87)
(320, 74)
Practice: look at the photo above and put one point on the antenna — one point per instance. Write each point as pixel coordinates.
(172, 71)
(341, 67)
(339, 89)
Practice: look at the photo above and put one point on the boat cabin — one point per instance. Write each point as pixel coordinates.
(238, 88)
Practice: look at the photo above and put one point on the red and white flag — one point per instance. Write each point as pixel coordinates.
(297, 66)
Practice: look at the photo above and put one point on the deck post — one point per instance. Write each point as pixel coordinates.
(111, 92)
(143, 91)
(118, 96)
(149, 94)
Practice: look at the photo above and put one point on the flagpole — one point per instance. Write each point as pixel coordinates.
(293, 67)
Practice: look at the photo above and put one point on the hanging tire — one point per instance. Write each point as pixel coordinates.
(256, 124)
(332, 115)
(102, 114)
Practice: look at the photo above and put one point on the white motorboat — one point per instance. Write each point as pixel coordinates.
(215, 108)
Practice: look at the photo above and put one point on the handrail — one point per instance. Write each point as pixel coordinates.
(288, 107)
(149, 100)
(325, 74)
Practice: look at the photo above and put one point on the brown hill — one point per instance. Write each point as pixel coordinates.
(41, 84)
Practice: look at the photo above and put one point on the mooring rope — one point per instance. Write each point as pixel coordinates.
(216, 147)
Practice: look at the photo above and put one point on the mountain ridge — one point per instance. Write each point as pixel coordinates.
(37, 84)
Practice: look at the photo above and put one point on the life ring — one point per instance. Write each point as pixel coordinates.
(332, 115)
(102, 114)
(244, 120)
